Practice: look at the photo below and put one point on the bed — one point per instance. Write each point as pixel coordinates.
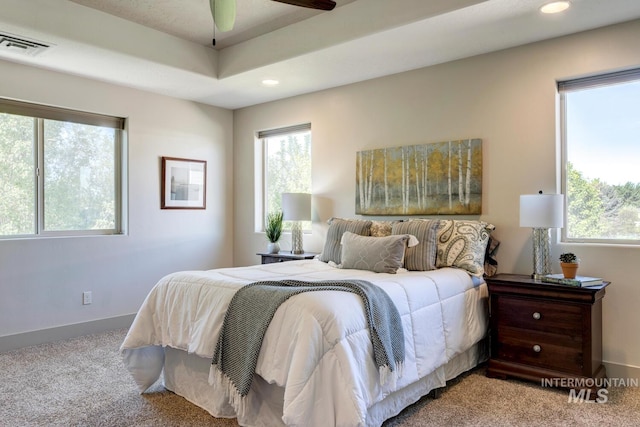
(315, 366)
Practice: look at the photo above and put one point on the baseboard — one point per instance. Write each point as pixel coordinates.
(622, 372)
(42, 336)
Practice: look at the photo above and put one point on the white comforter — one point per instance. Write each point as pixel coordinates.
(317, 347)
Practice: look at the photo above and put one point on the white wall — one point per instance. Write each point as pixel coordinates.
(42, 280)
(508, 99)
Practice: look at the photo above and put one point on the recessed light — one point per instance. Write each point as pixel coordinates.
(555, 7)
(270, 82)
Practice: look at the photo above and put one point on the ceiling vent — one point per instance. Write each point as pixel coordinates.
(21, 45)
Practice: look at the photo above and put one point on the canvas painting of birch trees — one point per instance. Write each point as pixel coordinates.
(443, 178)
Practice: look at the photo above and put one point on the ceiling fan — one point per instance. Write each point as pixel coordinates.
(224, 11)
(313, 4)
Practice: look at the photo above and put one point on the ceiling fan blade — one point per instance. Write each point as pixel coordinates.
(313, 4)
(224, 14)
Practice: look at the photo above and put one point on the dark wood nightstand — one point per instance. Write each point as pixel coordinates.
(541, 330)
(284, 256)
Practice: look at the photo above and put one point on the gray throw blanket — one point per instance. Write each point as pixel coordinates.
(252, 308)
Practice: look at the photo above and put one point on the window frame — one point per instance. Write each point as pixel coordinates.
(563, 88)
(261, 170)
(39, 113)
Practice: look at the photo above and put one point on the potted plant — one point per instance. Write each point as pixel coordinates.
(273, 231)
(569, 263)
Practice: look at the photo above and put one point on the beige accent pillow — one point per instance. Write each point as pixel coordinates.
(382, 228)
(462, 244)
(337, 226)
(422, 257)
(377, 254)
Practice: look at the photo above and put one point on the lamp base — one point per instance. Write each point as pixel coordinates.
(541, 262)
(296, 238)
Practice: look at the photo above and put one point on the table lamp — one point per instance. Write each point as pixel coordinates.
(541, 212)
(296, 207)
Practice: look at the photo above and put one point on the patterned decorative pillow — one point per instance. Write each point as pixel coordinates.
(337, 226)
(382, 228)
(462, 244)
(423, 256)
(377, 254)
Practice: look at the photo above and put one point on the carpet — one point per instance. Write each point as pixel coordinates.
(83, 382)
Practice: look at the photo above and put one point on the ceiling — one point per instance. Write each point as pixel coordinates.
(164, 46)
(191, 19)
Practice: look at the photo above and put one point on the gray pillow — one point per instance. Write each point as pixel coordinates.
(337, 226)
(423, 256)
(377, 254)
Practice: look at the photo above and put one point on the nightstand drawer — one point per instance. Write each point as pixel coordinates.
(538, 315)
(272, 259)
(551, 351)
(269, 258)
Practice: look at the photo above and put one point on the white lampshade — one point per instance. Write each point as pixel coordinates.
(541, 210)
(296, 206)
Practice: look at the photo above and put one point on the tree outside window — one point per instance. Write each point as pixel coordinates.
(287, 167)
(601, 154)
(60, 171)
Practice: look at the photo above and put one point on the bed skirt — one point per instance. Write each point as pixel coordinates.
(187, 375)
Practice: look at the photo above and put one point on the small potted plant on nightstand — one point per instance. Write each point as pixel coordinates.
(273, 231)
(569, 263)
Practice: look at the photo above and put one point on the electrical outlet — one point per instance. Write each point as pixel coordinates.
(87, 298)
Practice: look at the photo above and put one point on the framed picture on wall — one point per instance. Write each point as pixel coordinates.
(183, 184)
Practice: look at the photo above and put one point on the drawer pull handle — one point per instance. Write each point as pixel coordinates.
(537, 315)
(537, 348)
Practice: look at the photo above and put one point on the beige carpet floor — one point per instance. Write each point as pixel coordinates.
(82, 382)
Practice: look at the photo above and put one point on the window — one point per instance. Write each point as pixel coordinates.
(61, 171)
(286, 167)
(600, 119)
